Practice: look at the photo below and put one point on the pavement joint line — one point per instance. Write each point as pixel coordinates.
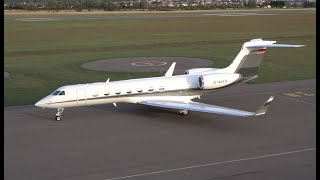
(239, 174)
(212, 164)
(296, 100)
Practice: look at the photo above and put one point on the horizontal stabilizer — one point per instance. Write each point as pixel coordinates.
(259, 43)
(272, 46)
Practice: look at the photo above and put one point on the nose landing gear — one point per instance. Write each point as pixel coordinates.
(58, 115)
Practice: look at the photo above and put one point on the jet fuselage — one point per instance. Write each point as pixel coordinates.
(180, 87)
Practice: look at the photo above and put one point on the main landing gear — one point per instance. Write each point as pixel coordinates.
(58, 115)
(184, 112)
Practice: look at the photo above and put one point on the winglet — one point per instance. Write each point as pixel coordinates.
(263, 109)
(170, 70)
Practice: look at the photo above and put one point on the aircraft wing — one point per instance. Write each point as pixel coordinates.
(195, 106)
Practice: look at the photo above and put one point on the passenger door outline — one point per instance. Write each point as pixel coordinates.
(81, 97)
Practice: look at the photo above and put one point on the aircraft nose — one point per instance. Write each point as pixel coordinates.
(38, 104)
(42, 103)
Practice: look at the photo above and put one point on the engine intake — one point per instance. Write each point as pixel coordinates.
(200, 70)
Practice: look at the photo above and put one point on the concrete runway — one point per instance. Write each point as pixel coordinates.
(109, 17)
(260, 12)
(140, 143)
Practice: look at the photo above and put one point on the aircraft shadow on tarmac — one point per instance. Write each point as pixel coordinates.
(144, 114)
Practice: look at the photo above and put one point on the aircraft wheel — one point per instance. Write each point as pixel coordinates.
(58, 118)
(184, 112)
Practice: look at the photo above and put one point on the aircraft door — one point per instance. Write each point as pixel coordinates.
(81, 97)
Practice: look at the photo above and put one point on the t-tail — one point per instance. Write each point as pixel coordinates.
(248, 60)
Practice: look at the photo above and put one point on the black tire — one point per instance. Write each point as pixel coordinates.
(184, 112)
(58, 118)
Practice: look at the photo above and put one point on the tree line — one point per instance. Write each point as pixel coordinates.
(117, 5)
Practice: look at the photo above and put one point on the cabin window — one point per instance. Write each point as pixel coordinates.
(61, 93)
(161, 88)
(150, 89)
(139, 90)
(129, 91)
(118, 92)
(106, 93)
(56, 93)
(95, 94)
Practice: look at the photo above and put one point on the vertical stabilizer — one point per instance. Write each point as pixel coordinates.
(248, 60)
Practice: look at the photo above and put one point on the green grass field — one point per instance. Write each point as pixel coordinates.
(41, 56)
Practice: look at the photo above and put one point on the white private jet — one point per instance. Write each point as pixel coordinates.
(168, 91)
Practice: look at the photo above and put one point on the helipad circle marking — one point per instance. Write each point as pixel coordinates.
(145, 64)
(149, 63)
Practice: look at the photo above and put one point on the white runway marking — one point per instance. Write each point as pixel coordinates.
(149, 63)
(267, 92)
(297, 100)
(238, 14)
(212, 164)
(37, 19)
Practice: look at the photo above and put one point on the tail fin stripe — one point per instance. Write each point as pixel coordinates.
(261, 51)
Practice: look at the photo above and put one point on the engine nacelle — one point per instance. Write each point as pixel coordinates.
(200, 70)
(212, 81)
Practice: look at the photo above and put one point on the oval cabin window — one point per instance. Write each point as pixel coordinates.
(106, 93)
(139, 90)
(129, 91)
(161, 88)
(150, 89)
(118, 92)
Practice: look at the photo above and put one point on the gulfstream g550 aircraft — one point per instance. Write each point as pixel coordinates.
(168, 91)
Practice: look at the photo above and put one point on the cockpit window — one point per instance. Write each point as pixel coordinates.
(56, 93)
(62, 93)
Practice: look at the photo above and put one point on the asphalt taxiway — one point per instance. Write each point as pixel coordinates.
(147, 64)
(137, 142)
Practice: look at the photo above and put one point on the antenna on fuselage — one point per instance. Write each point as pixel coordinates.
(108, 80)
(170, 70)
